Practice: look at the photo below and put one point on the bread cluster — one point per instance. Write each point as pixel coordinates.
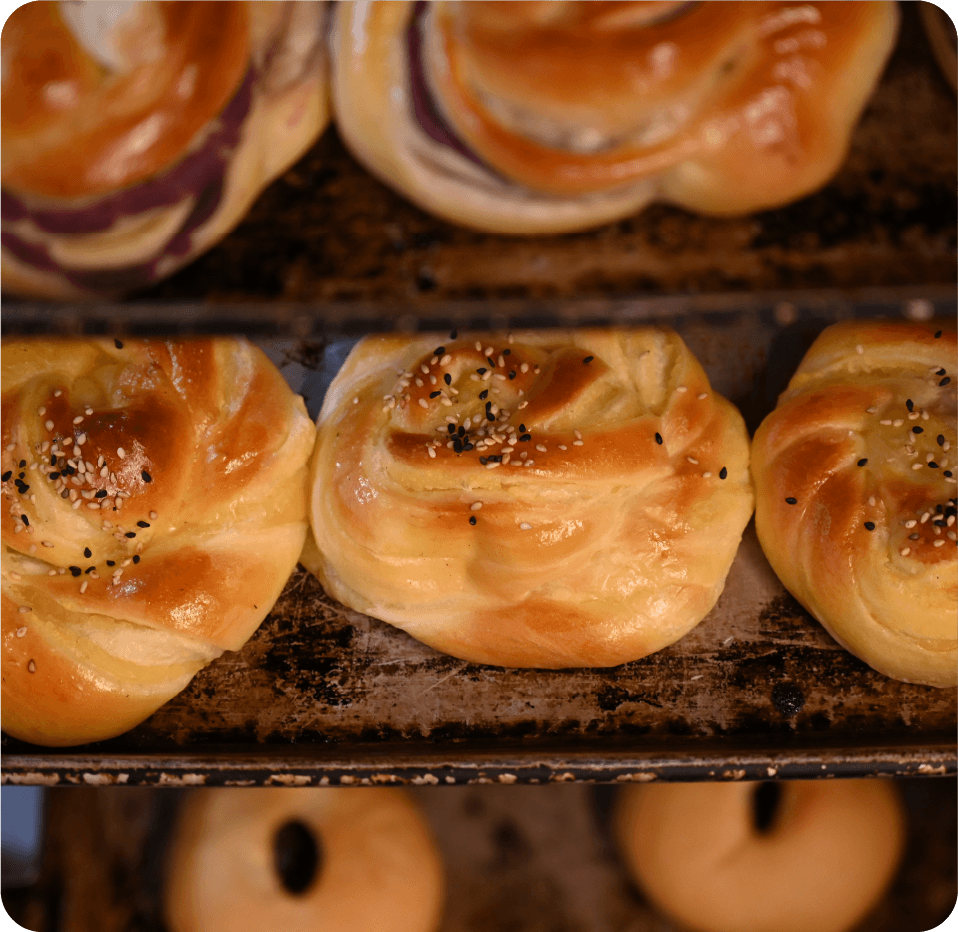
(136, 136)
(539, 117)
(546, 499)
(154, 506)
(855, 480)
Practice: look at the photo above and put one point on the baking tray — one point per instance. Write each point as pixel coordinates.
(321, 694)
(516, 858)
(329, 246)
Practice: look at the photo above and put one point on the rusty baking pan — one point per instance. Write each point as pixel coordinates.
(322, 694)
(515, 857)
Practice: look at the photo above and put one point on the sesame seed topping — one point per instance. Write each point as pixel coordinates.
(706, 475)
(472, 519)
(588, 359)
(870, 525)
(791, 501)
(682, 388)
(81, 439)
(31, 666)
(911, 523)
(886, 422)
(871, 410)
(525, 527)
(916, 466)
(702, 395)
(48, 425)
(541, 448)
(862, 462)
(939, 543)
(918, 430)
(905, 551)
(21, 632)
(938, 335)
(723, 473)
(945, 381)
(692, 460)
(658, 438)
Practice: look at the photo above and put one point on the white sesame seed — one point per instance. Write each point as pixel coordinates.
(924, 415)
(93, 506)
(44, 446)
(950, 479)
(706, 475)
(419, 382)
(489, 351)
(925, 517)
(871, 410)
(536, 370)
(499, 377)
(911, 523)
(946, 446)
(930, 458)
(433, 380)
(478, 346)
(24, 609)
(905, 551)
(541, 448)
(424, 369)
(46, 543)
(434, 360)
(916, 466)
(501, 360)
(88, 410)
(356, 400)
(492, 465)
(58, 393)
(885, 422)
(860, 349)
(950, 521)
(474, 377)
(939, 543)
(529, 462)
(432, 453)
(48, 425)
(682, 388)
(562, 446)
(21, 632)
(523, 404)
(897, 422)
(445, 360)
(525, 527)
(578, 443)
(31, 667)
(41, 411)
(78, 419)
(153, 515)
(577, 434)
(692, 460)
(83, 586)
(77, 504)
(423, 403)
(445, 402)
(120, 452)
(914, 415)
(81, 439)
(475, 506)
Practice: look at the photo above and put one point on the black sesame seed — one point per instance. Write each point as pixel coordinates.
(940, 522)
(25, 520)
(658, 438)
(588, 359)
(118, 344)
(862, 462)
(23, 463)
(945, 381)
(21, 475)
(791, 501)
(512, 375)
(492, 365)
(939, 509)
(941, 440)
(461, 431)
(483, 461)
(142, 524)
(472, 519)
(481, 371)
(101, 493)
(89, 569)
(111, 563)
(457, 446)
(869, 525)
(447, 378)
(434, 394)
(7, 475)
(723, 473)
(87, 552)
(440, 351)
(918, 430)
(468, 446)
(130, 534)
(453, 335)
(483, 395)
(940, 372)
(451, 428)
(53, 460)
(523, 438)
(910, 405)
(490, 416)
(53, 476)
(938, 335)
(488, 405)
(522, 428)
(932, 465)
(136, 559)
(76, 571)
(507, 352)
(146, 476)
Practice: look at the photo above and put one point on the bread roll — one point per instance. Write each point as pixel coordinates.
(302, 860)
(751, 857)
(136, 135)
(548, 499)
(855, 493)
(542, 117)
(154, 507)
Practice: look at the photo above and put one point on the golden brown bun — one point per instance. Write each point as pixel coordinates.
(825, 860)
(585, 112)
(203, 520)
(79, 136)
(600, 551)
(379, 869)
(872, 392)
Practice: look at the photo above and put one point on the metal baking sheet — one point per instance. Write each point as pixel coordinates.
(327, 248)
(516, 858)
(321, 694)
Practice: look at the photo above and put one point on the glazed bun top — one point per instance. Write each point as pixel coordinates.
(573, 97)
(99, 96)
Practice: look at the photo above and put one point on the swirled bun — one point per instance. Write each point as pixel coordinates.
(510, 502)
(541, 117)
(316, 859)
(855, 493)
(724, 857)
(136, 135)
(154, 506)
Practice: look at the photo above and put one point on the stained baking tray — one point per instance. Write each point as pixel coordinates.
(516, 858)
(321, 694)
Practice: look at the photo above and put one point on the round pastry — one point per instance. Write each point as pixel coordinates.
(542, 117)
(762, 857)
(855, 478)
(137, 134)
(302, 860)
(544, 499)
(154, 501)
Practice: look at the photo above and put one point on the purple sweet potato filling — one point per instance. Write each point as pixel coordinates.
(200, 174)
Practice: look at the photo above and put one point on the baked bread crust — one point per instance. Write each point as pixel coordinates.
(554, 530)
(122, 580)
(855, 493)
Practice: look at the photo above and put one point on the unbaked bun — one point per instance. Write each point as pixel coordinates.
(154, 506)
(302, 860)
(539, 117)
(794, 856)
(136, 135)
(855, 493)
(549, 499)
